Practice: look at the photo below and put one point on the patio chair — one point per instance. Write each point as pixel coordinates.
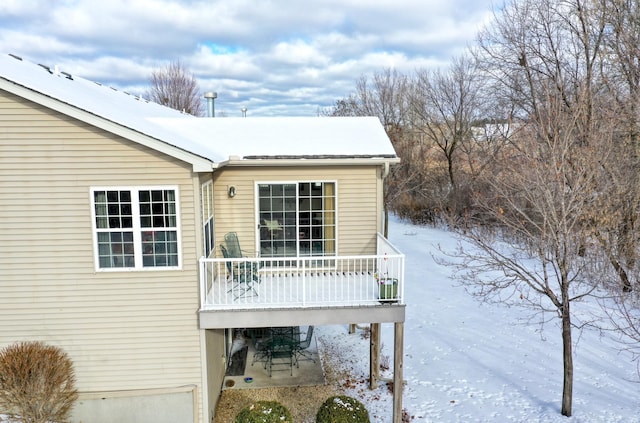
(243, 274)
(261, 343)
(234, 250)
(233, 245)
(282, 349)
(303, 345)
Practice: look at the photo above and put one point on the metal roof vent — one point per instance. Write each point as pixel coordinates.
(211, 107)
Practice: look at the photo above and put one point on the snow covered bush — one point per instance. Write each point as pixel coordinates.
(37, 383)
(342, 409)
(264, 412)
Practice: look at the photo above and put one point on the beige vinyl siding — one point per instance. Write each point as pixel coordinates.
(123, 330)
(215, 346)
(358, 202)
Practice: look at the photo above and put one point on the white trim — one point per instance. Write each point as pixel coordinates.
(205, 217)
(271, 162)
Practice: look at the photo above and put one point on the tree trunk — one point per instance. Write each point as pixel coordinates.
(452, 179)
(567, 356)
(622, 274)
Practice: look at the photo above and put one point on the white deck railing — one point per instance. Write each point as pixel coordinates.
(285, 282)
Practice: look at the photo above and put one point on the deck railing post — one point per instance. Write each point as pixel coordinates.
(304, 283)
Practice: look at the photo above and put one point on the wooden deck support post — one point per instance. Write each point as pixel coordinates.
(374, 362)
(398, 354)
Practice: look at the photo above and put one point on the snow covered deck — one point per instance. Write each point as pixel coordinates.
(303, 282)
(300, 282)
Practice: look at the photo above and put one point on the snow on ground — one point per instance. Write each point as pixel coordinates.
(466, 361)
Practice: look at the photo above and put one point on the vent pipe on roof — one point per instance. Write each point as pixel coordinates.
(211, 107)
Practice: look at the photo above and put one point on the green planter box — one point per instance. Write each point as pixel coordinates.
(388, 288)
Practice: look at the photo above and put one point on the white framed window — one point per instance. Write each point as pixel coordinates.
(136, 228)
(207, 218)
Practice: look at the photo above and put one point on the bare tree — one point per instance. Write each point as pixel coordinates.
(543, 57)
(384, 95)
(619, 228)
(539, 202)
(174, 86)
(621, 68)
(458, 116)
(444, 106)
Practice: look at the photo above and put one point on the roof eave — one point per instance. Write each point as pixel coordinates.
(235, 161)
(199, 164)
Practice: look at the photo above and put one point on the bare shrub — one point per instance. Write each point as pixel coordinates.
(366, 333)
(406, 416)
(385, 360)
(37, 383)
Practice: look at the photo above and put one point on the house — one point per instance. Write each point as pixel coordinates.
(112, 212)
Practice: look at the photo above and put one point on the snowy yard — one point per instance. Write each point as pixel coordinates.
(471, 362)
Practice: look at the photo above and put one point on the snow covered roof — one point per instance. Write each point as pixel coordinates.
(277, 137)
(205, 142)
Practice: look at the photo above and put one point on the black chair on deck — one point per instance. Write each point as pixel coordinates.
(233, 246)
(243, 274)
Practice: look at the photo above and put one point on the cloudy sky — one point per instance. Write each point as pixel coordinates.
(274, 57)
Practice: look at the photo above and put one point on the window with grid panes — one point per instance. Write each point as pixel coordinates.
(136, 228)
(207, 218)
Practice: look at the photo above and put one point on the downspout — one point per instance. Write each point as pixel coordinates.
(385, 219)
(385, 171)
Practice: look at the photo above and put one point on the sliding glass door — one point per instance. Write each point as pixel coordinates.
(297, 219)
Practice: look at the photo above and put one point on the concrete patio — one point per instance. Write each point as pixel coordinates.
(305, 373)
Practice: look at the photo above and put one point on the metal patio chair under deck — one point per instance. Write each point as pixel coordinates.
(261, 341)
(282, 349)
(301, 349)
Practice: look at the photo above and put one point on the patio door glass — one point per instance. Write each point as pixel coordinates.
(297, 219)
(278, 220)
